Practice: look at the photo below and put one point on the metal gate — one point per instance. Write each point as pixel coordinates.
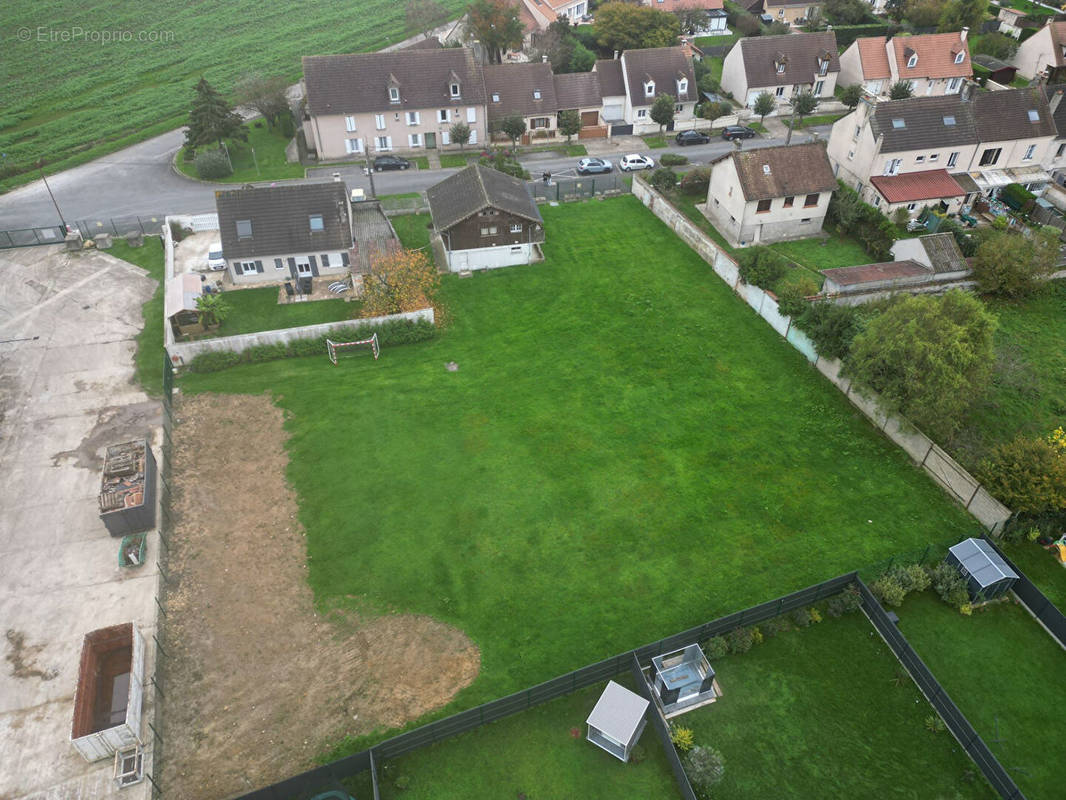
(27, 237)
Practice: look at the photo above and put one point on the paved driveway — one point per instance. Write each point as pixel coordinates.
(67, 324)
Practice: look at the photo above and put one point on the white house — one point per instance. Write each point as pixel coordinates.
(782, 66)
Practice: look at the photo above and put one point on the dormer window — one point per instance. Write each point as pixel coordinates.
(454, 89)
(780, 63)
(912, 58)
(649, 88)
(244, 229)
(536, 94)
(959, 56)
(823, 62)
(394, 94)
(682, 86)
(316, 222)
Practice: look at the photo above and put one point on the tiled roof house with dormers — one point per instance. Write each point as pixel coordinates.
(648, 73)
(782, 65)
(933, 64)
(381, 102)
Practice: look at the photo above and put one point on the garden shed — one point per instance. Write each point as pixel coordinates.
(617, 720)
(987, 574)
(682, 680)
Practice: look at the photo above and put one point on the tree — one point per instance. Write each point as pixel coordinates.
(958, 14)
(422, 16)
(900, 90)
(845, 12)
(923, 13)
(663, 179)
(212, 119)
(662, 111)
(997, 45)
(896, 10)
(626, 26)
(692, 20)
(803, 103)
(569, 123)
(704, 767)
(497, 25)
(211, 309)
(764, 104)
(778, 28)
(459, 133)
(582, 59)
(851, 95)
(1027, 475)
(514, 125)
(712, 111)
(929, 358)
(1010, 265)
(398, 281)
(267, 95)
(760, 266)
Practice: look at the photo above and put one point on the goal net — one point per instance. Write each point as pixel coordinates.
(341, 349)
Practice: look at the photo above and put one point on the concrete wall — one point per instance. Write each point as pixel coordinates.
(925, 453)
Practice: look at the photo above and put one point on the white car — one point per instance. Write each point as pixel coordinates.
(215, 261)
(635, 161)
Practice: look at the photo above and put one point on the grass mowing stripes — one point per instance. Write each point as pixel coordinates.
(625, 450)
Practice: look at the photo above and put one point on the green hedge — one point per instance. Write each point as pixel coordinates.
(846, 34)
(391, 333)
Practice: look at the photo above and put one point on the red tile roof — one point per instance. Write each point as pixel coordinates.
(1058, 39)
(933, 184)
(873, 57)
(872, 273)
(936, 56)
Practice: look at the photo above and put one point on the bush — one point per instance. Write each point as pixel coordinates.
(873, 229)
(704, 767)
(889, 590)
(846, 602)
(935, 724)
(1027, 475)
(673, 160)
(212, 165)
(740, 640)
(777, 625)
(996, 45)
(792, 297)
(663, 179)
(287, 127)
(716, 647)
(696, 182)
(683, 738)
(215, 361)
(504, 161)
(816, 615)
(913, 577)
(762, 267)
(832, 328)
(1017, 197)
(177, 233)
(949, 585)
(801, 618)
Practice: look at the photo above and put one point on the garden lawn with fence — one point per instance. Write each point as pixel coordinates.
(826, 711)
(267, 163)
(624, 450)
(1004, 671)
(1041, 567)
(255, 310)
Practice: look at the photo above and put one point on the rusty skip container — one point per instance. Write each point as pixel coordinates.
(127, 491)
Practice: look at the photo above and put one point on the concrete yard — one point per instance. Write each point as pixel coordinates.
(67, 328)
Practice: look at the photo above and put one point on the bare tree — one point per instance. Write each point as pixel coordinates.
(267, 95)
(423, 16)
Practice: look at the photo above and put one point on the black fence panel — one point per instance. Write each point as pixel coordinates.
(939, 699)
(662, 730)
(1036, 601)
(28, 237)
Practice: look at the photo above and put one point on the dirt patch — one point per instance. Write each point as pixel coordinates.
(22, 657)
(113, 425)
(257, 683)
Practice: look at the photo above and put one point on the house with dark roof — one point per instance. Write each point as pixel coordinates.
(484, 219)
(580, 92)
(771, 194)
(526, 90)
(406, 100)
(782, 65)
(655, 71)
(612, 85)
(271, 234)
(931, 64)
(1044, 53)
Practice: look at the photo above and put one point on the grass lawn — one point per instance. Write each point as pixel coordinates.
(716, 41)
(420, 162)
(758, 127)
(614, 435)
(797, 716)
(820, 253)
(269, 147)
(1042, 568)
(1002, 670)
(413, 231)
(817, 119)
(716, 63)
(532, 754)
(149, 357)
(655, 141)
(254, 310)
(457, 160)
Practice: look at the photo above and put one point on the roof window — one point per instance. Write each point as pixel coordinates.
(244, 229)
(1034, 115)
(949, 121)
(899, 123)
(536, 94)
(765, 169)
(316, 222)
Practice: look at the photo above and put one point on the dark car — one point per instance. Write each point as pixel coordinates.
(390, 162)
(737, 132)
(592, 166)
(692, 137)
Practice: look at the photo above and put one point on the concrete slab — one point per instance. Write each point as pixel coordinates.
(190, 254)
(67, 323)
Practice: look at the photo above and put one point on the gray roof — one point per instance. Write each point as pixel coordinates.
(665, 66)
(609, 73)
(783, 171)
(982, 562)
(280, 217)
(990, 62)
(359, 82)
(923, 122)
(800, 52)
(618, 712)
(369, 222)
(1006, 114)
(944, 253)
(1059, 115)
(475, 188)
(578, 90)
(516, 85)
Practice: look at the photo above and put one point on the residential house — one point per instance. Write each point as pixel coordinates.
(932, 64)
(1055, 159)
(995, 70)
(794, 12)
(405, 100)
(931, 263)
(650, 72)
(612, 85)
(771, 194)
(713, 23)
(525, 90)
(485, 219)
(545, 12)
(1011, 21)
(1016, 135)
(1044, 53)
(782, 65)
(580, 91)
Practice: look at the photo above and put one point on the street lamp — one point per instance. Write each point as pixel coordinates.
(63, 222)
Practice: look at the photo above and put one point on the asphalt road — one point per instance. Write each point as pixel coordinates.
(140, 181)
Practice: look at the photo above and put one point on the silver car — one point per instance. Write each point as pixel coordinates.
(635, 161)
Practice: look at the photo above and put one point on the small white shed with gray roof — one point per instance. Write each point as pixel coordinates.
(987, 574)
(617, 720)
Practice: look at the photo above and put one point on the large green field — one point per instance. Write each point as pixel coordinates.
(625, 450)
(69, 96)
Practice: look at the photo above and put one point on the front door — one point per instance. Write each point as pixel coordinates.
(431, 141)
(303, 267)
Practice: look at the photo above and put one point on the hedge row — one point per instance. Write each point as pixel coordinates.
(391, 333)
(846, 34)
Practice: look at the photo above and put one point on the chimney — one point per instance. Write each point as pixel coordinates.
(967, 90)
(615, 55)
(963, 32)
(1053, 103)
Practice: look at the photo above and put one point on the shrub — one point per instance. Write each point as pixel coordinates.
(265, 352)
(504, 161)
(832, 328)
(889, 590)
(935, 724)
(913, 577)
(716, 647)
(846, 602)
(696, 182)
(801, 618)
(816, 615)
(663, 179)
(872, 228)
(637, 754)
(792, 296)
(762, 267)
(215, 361)
(949, 585)
(704, 767)
(177, 233)
(213, 164)
(683, 738)
(777, 625)
(1027, 475)
(740, 640)
(673, 160)
(1009, 265)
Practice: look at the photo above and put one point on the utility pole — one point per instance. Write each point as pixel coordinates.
(62, 221)
(370, 174)
(791, 122)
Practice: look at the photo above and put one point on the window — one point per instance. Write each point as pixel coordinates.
(517, 249)
(316, 222)
(414, 140)
(414, 117)
(442, 115)
(279, 264)
(780, 91)
(953, 159)
(349, 124)
(788, 202)
(394, 94)
(536, 94)
(353, 145)
(379, 122)
(823, 66)
(244, 229)
(682, 85)
(919, 159)
(540, 122)
(649, 88)
(805, 221)
(1029, 153)
(934, 157)
(892, 166)
(912, 61)
(325, 259)
(495, 97)
(949, 121)
(488, 230)
(818, 88)
(990, 156)
(780, 65)
(959, 56)
(445, 137)
(678, 108)
(247, 267)
(913, 85)
(763, 207)
(455, 90)
(911, 206)
(384, 143)
(858, 130)
(953, 85)
(877, 201)
(516, 227)
(851, 155)
(899, 123)
(1034, 115)
(642, 113)
(471, 116)
(1060, 151)
(811, 200)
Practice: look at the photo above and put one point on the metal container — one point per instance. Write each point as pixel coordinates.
(128, 488)
(108, 701)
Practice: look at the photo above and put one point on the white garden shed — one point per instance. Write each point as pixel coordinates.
(617, 720)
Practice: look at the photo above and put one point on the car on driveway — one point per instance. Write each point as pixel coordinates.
(390, 162)
(215, 261)
(593, 166)
(737, 132)
(635, 161)
(692, 137)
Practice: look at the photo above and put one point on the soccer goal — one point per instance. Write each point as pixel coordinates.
(337, 348)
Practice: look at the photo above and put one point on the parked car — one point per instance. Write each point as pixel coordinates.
(692, 137)
(737, 132)
(592, 166)
(215, 261)
(635, 161)
(390, 162)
